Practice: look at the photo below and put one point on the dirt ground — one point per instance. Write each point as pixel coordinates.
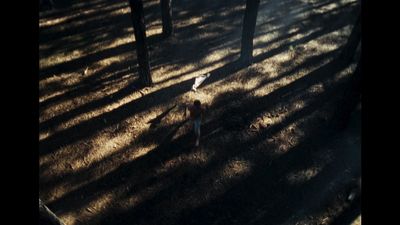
(111, 152)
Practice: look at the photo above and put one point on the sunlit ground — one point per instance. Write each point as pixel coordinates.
(87, 66)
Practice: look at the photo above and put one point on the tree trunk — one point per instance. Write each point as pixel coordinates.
(353, 41)
(352, 93)
(166, 15)
(46, 216)
(139, 28)
(349, 100)
(248, 28)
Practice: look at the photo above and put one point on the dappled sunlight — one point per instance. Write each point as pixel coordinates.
(82, 101)
(216, 55)
(236, 169)
(302, 176)
(348, 71)
(357, 221)
(89, 15)
(316, 88)
(192, 21)
(65, 57)
(46, 23)
(90, 210)
(110, 148)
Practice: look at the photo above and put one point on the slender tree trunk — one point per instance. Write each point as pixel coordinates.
(349, 100)
(46, 216)
(139, 28)
(249, 26)
(352, 93)
(166, 15)
(353, 41)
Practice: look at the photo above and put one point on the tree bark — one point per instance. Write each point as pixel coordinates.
(166, 15)
(248, 28)
(139, 28)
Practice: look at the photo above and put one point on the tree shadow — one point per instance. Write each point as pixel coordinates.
(121, 49)
(184, 177)
(239, 203)
(172, 149)
(86, 128)
(156, 121)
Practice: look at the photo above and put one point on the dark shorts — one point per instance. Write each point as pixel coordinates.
(196, 125)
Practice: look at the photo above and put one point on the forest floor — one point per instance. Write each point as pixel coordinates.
(111, 152)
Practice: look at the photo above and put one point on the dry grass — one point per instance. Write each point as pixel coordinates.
(82, 97)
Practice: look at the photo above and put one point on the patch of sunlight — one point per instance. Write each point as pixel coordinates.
(276, 45)
(59, 58)
(199, 157)
(60, 78)
(316, 88)
(302, 176)
(154, 31)
(357, 221)
(58, 192)
(109, 166)
(264, 38)
(141, 151)
(87, 211)
(44, 135)
(93, 209)
(236, 169)
(347, 1)
(191, 21)
(169, 74)
(105, 146)
(232, 9)
(251, 84)
(349, 70)
(68, 218)
(216, 55)
(82, 22)
(50, 158)
(330, 41)
(203, 95)
(114, 59)
(121, 11)
(65, 57)
(299, 105)
(148, 4)
(325, 8)
(81, 101)
(269, 87)
(184, 73)
(44, 22)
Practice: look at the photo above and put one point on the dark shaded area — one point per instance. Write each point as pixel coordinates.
(156, 121)
(350, 214)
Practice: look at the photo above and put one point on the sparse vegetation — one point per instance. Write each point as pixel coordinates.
(112, 152)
